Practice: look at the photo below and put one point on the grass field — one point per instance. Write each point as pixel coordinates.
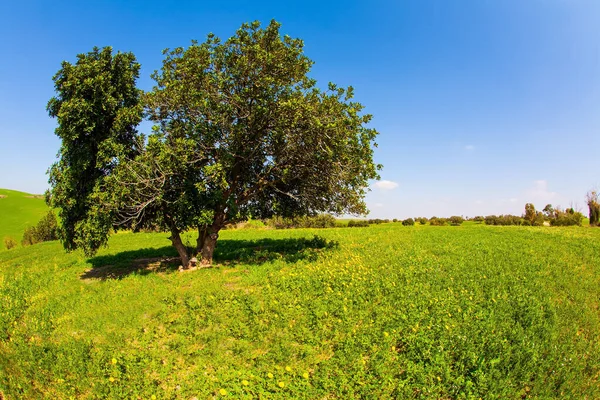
(376, 313)
(18, 210)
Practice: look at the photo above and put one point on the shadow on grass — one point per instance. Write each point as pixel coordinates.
(227, 252)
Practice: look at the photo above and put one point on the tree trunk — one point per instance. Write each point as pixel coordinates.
(207, 239)
(208, 248)
(181, 249)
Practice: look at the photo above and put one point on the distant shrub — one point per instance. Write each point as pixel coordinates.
(408, 222)
(566, 218)
(358, 224)
(395, 220)
(456, 220)
(435, 221)
(317, 221)
(504, 220)
(9, 243)
(421, 220)
(376, 221)
(45, 231)
(478, 218)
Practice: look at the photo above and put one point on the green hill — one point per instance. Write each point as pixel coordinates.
(18, 210)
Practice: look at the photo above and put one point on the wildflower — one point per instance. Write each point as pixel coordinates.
(153, 397)
(114, 360)
(288, 368)
(270, 375)
(386, 334)
(223, 392)
(305, 375)
(245, 382)
(281, 384)
(111, 379)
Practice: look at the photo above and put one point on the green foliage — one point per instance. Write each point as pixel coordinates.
(422, 220)
(566, 218)
(593, 202)
(317, 221)
(9, 243)
(533, 217)
(361, 223)
(435, 221)
(408, 222)
(478, 219)
(17, 211)
(434, 312)
(505, 220)
(97, 107)
(456, 220)
(242, 131)
(46, 230)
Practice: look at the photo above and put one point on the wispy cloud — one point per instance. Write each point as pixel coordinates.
(385, 185)
(540, 193)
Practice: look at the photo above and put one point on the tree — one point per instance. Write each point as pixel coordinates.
(530, 213)
(549, 211)
(593, 202)
(97, 107)
(242, 131)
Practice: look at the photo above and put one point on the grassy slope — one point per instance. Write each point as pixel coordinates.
(392, 312)
(17, 211)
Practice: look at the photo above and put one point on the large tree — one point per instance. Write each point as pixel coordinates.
(98, 107)
(242, 131)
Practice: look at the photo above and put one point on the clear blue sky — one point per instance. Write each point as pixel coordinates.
(481, 106)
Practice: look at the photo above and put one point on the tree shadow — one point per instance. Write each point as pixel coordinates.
(228, 252)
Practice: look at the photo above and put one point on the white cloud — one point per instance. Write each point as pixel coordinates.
(378, 205)
(469, 147)
(385, 185)
(540, 193)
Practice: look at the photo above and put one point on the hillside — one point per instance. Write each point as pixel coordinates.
(18, 210)
(380, 312)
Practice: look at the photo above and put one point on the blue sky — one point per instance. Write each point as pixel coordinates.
(481, 106)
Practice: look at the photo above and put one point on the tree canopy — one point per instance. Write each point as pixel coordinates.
(240, 131)
(98, 107)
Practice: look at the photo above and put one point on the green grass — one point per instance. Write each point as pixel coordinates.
(389, 312)
(18, 210)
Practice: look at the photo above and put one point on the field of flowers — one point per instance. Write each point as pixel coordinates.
(387, 311)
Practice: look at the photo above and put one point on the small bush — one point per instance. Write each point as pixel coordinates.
(478, 219)
(395, 220)
(45, 231)
(567, 219)
(358, 224)
(408, 222)
(456, 220)
(9, 243)
(422, 220)
(317, 221)
(435, 221)
(504, 220)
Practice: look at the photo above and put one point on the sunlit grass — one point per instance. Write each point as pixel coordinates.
(380, 312)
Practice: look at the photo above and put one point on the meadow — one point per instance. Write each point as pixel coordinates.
(18, 210)
(381, 312)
